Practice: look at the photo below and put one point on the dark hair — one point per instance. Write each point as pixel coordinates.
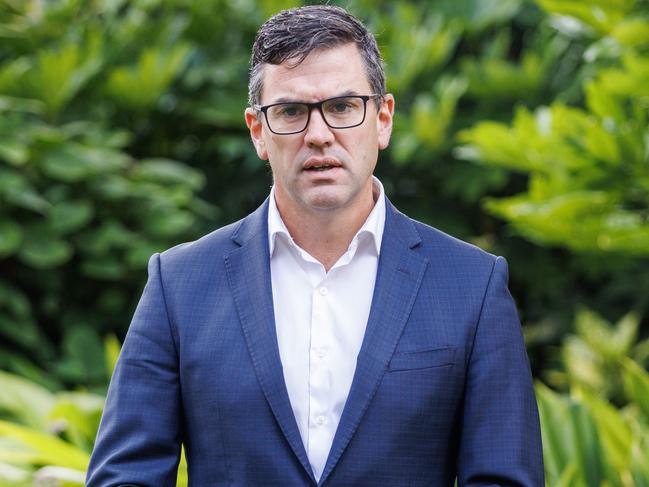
(293, 34)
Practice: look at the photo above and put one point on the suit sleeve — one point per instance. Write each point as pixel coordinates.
(500, 442)
(139, 437)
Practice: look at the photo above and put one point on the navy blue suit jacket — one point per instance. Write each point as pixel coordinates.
(442, 386)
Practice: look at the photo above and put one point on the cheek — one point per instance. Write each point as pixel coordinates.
(281, 157)
(283, 152)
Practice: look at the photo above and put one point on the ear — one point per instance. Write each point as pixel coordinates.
(384, 120)
(256, 133)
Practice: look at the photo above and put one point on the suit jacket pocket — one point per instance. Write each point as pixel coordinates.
(422, 359)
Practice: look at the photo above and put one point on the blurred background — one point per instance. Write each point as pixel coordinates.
(521, 126)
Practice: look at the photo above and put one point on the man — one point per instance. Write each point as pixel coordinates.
(325, 339)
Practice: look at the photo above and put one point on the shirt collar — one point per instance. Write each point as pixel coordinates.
(373, 225)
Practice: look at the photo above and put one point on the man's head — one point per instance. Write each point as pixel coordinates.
(292, 35)
(321, 158)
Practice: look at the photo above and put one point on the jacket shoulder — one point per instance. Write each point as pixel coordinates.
(436, 243)
(185, 257)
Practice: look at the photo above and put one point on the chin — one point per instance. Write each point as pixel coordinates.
(325, 200)
(325, 204)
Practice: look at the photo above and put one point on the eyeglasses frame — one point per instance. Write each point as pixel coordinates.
(318, 105)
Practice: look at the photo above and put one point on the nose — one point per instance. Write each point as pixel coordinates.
(317, 132)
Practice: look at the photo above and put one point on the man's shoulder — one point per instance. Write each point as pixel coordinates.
(211, 247)
(217, 244)
(460, 265)
(437, 244)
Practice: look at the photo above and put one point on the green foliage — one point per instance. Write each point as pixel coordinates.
(588, 442)
(79, 214)
(598, 433)
(588, 166)
(83, 214)
(142, 86)
(596, 357)
(46, 438)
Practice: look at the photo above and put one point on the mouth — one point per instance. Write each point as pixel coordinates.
(321, 165)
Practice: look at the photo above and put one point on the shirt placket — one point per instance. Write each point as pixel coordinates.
(320, 420)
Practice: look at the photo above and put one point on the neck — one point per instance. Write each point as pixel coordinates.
(326, 234)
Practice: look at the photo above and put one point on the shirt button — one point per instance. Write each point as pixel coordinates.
(320, 420)
(323, 291)
(320, 353)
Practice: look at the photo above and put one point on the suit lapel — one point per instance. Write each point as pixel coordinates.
(399, 276)
(248, 271)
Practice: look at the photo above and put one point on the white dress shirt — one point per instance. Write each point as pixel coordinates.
(320, 319)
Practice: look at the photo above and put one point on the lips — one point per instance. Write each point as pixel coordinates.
(317, 165)
(320, 168)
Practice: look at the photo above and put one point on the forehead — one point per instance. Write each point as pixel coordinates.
(322, 74)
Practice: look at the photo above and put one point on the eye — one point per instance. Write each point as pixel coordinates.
(343, 106)
(340, 106)
(290, 110)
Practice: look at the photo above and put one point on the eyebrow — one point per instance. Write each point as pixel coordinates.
(285, 99)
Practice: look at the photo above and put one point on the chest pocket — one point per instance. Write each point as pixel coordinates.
(422, 359)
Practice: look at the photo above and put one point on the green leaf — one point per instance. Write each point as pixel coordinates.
(70, 216)
(181, 478)
(636, 385)
(21, 330)
(587, 445)
(24, 105)
(11, 74)
(80, 414)
(112, 234)
(43, 249)
(25, 400)
(60, 477)
(615, 434)
(640, 461)
(169, 223)
(630, 81)
(112, 348)
(83, 355)
(168, 172)
(105, 269)
(478, 15)
(13, 151)
(423, 47)
(58, 75)
(601, 15)
(66, 165)
(18, 191)
(41, 448)
(14, 301)
(141, 86)
(569, 477)
(11, 476)
(137, 256)
(11, 237)
(71, 162)
(583, 366)
(18, 364)
(497, 79)
(558, 439)
(113, 187)
(632, 32)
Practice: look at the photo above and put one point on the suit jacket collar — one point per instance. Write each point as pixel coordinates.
(399, 276)
(400, 272)
(248, 273)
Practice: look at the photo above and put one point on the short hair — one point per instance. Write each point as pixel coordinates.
(293, 34)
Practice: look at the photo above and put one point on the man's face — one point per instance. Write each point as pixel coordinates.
(348, 155)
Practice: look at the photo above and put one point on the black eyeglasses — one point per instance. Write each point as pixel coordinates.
(340, 112)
